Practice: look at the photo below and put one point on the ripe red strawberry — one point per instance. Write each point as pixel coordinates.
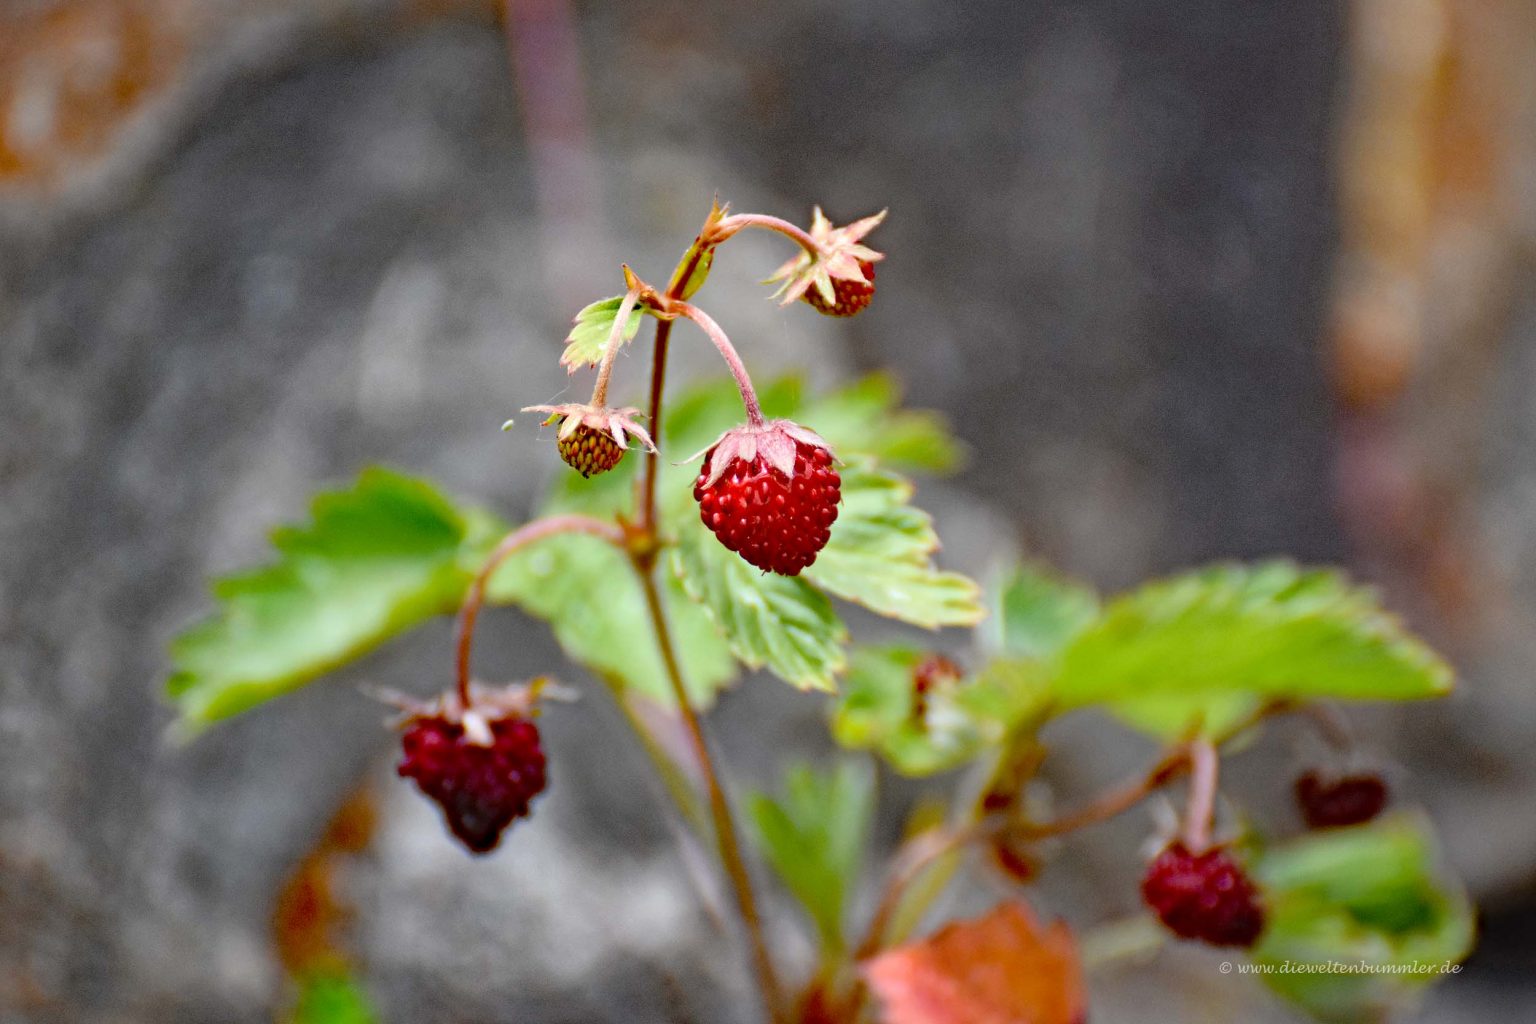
(483, 766)
(851, 295)
(590, 451)
(1348, 800)
(770, 494)
(1204, 896)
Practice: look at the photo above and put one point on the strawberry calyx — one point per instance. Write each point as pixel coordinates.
(592, 438)
(841, 257)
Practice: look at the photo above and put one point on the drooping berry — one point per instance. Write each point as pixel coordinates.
(770, 494)
(483, 766)
(851, 296)
(1204, 896)
(590, 451)
(837, 261)
(593, 438)
(1335, 802)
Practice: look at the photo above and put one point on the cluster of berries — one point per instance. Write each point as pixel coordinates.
(768, 490)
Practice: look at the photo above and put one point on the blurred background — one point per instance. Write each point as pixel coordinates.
(1193, 278)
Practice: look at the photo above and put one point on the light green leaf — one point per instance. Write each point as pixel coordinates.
(860, 419)
(376, 559)
(813, 837)
(1036, 613)
(1230, 633)
(332, 999)
(881, 556)
(866, 418)
(584, 345)
(588, 593)
(781, 622)
(878, 709)
(1369, 895)
(1173, 718)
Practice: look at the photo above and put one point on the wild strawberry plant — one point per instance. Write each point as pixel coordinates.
(663, 578)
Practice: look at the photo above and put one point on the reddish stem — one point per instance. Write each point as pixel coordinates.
(1205, 765)
(728, 353)
(529, 533)
(611, 348)
(734, 223)
(726, 841)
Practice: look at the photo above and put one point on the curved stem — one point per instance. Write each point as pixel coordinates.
(1204, 766)
(509, 545)
(1112, 803)
(728, 353)
(611, 349)
(734, 223)
(719, 807)
(922, 850)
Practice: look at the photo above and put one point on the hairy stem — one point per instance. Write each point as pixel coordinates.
(1204, 766)
(728, 353)
(726, 840)
(529, 533)
(734, 223)
(611, 349)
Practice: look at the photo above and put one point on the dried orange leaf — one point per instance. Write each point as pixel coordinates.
(999, 969)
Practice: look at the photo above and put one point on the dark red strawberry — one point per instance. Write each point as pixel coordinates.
(1346, 800)
(482, 770)
(851, 296)
(1204, 896)
(770, 494)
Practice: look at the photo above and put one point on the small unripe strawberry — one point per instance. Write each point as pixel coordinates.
(1204, 896)
(851, 296)
(838, 277)
(1335, 802)
(590, 451)
(770, 494)
(482, 765)
(593, 438)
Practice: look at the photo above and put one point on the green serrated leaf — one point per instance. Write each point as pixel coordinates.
(375, 559)
(780, 622)
(588, 593)
(877, 709)
(332, 999)
(1362, 917)
(813, 837)
(866, 418)
(584, 345)
(1037, 613)
(881, 556)
(860, 419)
(1194, 648)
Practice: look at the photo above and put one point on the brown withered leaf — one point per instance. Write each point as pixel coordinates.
(999, 969)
